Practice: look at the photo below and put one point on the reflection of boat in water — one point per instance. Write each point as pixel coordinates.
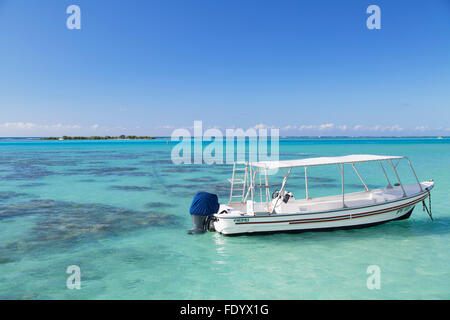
(257, 211)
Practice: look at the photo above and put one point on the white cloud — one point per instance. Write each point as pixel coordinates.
(306, 127)
(262, 126)
(378, 128)
(422, 128)
(289, 127)
(29, 129)
(165, 127)
(394, 128)
(326, 126)
(17, 125)
(29, 125)
(358, 129)
(322, 127)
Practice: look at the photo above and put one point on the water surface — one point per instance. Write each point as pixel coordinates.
(119, 210)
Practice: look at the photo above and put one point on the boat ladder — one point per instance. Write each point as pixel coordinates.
(262, 184)
(258, 190)
(238, 182)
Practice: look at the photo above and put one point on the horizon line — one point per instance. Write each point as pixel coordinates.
(281, 137)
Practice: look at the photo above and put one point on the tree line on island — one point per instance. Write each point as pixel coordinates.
(122, 137)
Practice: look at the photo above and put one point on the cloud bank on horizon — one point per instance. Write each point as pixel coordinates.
(21, 129)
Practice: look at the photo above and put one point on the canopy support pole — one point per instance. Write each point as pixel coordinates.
(398, 178)
(415, 175)
(365, 185)
(282, 188)
(387, 178)
(341, 169)
(306, 184)
(232, 179)
(255, 171)
(267, 190)
(250, 184)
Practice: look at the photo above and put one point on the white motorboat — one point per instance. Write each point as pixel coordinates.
(252, 209)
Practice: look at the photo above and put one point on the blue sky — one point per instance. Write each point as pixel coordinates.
(147, 67)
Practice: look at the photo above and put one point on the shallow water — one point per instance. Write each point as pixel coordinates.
(119, 210)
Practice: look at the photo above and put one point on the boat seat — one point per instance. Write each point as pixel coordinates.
(381, 196)
(287, 207)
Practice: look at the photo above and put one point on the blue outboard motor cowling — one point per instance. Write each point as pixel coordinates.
(203, 207)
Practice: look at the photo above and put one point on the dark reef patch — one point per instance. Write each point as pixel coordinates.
(5, 260)
(38, 160)
(156, 162)
(361, 186)
(30, 185)
(159, 205)
(62, 223)
(87, 180)
(181, 169)
(107, 171)
(324, 185)
(6, 195)
(314, 179)
(221, 189)
(131, 188)
(27, 172)
(201, 179)
(97, 162)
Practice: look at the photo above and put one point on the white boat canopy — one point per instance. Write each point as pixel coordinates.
(355, 158)
(249, 181)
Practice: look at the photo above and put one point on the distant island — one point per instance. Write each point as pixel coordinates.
(122, 137)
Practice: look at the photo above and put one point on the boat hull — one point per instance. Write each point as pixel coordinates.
(337, 219)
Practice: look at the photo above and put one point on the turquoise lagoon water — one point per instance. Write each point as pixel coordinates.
(119, 211)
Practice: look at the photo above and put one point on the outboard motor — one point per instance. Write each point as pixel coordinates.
(203, 207)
